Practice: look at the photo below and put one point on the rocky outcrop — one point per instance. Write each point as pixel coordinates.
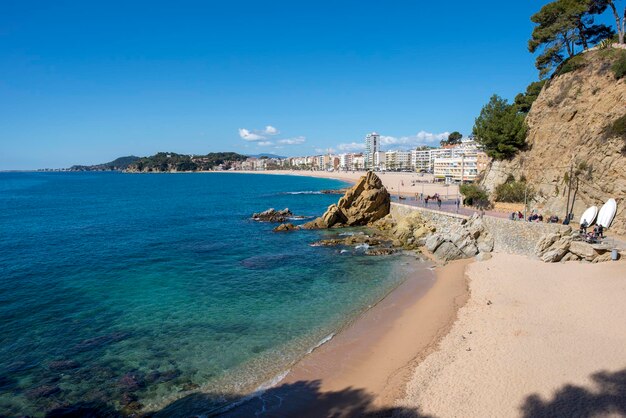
(373, 245)
(285, 227)
(464, 240)
(364, 203)
(273, 215)
(568, 128)
(562, 246)
(459, 238)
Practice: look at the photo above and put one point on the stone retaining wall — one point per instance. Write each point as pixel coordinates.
(516, 237)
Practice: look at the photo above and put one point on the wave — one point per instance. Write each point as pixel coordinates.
(305, 192)
(321, 342)
(257, 393)
(362, 247)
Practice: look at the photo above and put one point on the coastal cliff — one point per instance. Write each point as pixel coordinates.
(577, 122)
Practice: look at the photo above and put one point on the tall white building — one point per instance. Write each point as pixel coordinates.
(420, 159)
(372, 146)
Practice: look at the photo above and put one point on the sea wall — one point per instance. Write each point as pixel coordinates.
(443, 221)
(512, 237)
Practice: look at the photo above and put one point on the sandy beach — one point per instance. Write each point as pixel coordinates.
(534, 340)
(406, 184)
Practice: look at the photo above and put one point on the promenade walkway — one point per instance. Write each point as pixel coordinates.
(449, 206)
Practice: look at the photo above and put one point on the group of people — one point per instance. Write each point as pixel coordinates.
(433, 197)
(534, 217)
(594, 236)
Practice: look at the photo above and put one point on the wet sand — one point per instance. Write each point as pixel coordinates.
(364, 369)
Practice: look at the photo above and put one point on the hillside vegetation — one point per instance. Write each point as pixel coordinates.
(120, 163)
(172, 162)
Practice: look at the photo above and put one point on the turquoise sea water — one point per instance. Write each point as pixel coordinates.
(117, 288)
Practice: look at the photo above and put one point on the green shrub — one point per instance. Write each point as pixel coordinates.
(617, 128)
(605, 43)
(513, 192)
(571, 64)
(474, 195)
(619, 66)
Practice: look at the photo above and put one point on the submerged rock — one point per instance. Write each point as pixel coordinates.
(100, 341)
(43, 391)
(364, 203)
(62, 365)
(131, 382)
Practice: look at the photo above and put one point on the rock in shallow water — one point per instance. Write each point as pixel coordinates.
(380, 251)
(62, 365)
(43, 391)
(273, 215)
(285, 227)
(364, 203)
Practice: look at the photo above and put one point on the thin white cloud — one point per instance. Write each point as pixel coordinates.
(249, 136)
(265, 143)
(292, 141)
(421, 138)
(400, 142)
(352, 146)
(325, 150)
(270, 130)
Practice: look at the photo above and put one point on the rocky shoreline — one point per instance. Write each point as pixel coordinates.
(367, 204)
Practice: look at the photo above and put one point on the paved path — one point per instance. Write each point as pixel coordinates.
(448, 206)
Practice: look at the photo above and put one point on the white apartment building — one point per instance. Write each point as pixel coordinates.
(345, 161)
(358, 162)
(398, 160)
(420, 160)
(380, 160)
(372, 146)
(456, 169)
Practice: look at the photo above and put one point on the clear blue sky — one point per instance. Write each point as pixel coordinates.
(85, 82)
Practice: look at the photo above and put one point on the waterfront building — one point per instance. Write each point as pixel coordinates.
(345, 161)
(380, 160)
(420, 159)
(398, 160)
(456, 169)
(358, 162)
(372, 146)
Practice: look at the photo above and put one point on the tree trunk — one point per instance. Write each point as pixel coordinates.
(567, 45)
(581, 34)
(619, 23)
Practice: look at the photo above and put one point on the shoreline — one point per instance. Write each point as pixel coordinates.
(371, 359)
(405, 184)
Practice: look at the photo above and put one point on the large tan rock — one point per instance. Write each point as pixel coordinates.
(583, 250)
(447, 251)
(558, 250)
(363, 204)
